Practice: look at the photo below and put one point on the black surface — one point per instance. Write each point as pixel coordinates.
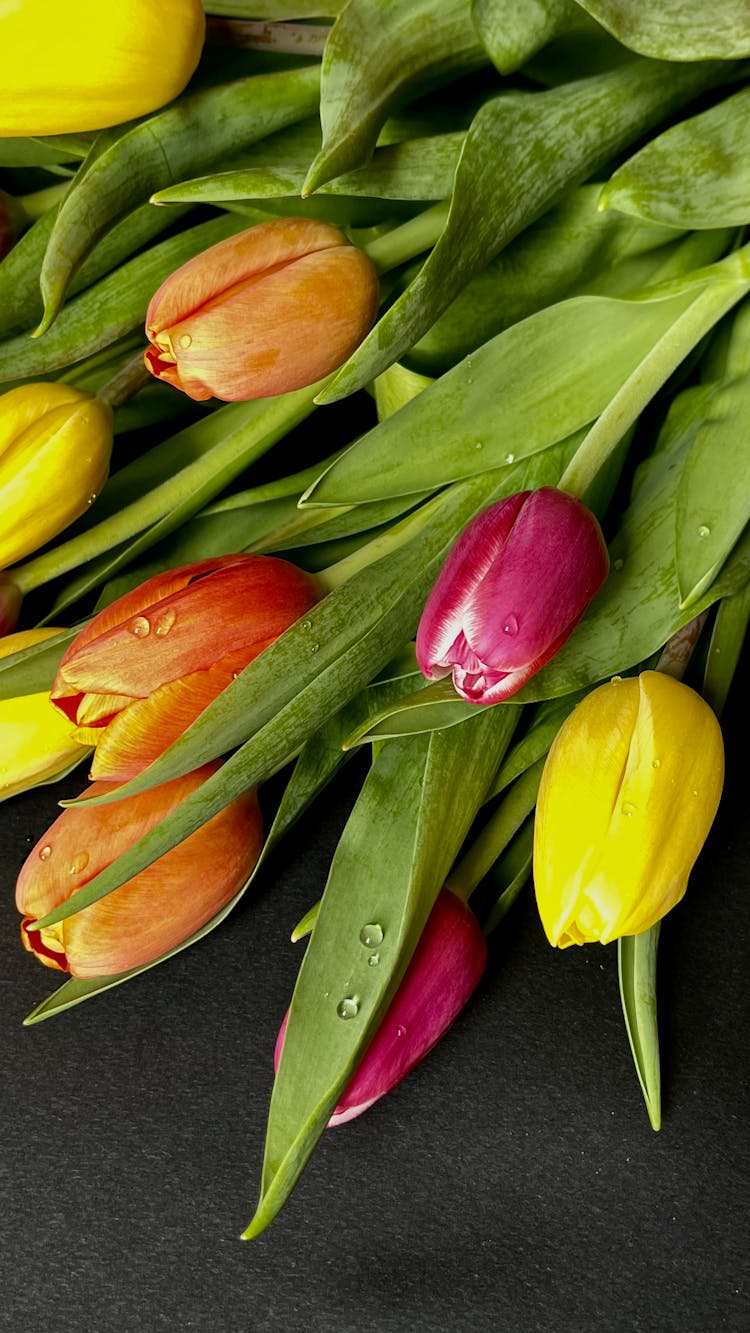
(512, 1182)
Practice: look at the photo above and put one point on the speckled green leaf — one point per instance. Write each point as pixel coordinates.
(676, 29)
(636, 962)
(425, 708)
(546, 142)
(696, 174)
(127, 165)
(33, 669)
(725, 647)
(512, 30)
(414, 811)
(380, 52)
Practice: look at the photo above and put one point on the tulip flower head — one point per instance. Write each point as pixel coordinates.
(628, 793)
(70, 65)
(269, 310)
(147, 665)
(444, 970)
(510, 593)
(35, 740)
(157, 909)
(55, 444)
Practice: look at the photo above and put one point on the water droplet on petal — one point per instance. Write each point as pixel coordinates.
(45, 852)
(165, 621)
(510, 458)
(374, 959)
(348, 1007)
(616, 680)
(185, 340)
(79, 863)
(510, 625)
(704, 530)
(91, 498)
(139, 627)
(371, 935)
(628, 809)
(656, 763)
(400, 1030)
(695, 791)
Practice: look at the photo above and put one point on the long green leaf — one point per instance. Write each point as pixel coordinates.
(414, 811)
(636, 962)
(546, 142)
(125, 167)
(697, 174)
(512, 32)
(725, 647)
(676, 29)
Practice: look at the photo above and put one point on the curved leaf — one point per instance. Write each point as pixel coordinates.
(636, 963)
(676, 29)
(513, 31)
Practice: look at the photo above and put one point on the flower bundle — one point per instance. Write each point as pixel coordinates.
(513, 239)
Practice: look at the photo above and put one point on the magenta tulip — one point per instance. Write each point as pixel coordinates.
(444, 970)
(510, 593)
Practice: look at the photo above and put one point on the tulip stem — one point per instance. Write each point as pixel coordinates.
(126, 383)
(40, 201)
(412, 238)
(382, 545)
(497, 833)
(296, 39)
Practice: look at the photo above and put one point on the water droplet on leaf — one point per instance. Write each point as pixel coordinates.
(374, 959)
(704, 530)
(314, 647)
(510, 458)
(618, 564)
(348, 1007)
(306, 624)
(371, 935)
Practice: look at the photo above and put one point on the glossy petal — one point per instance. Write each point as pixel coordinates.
(444, 970)
(628, 794)
(157, 909)
(37, 743)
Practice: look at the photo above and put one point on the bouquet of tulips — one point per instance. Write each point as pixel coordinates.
(513, 236)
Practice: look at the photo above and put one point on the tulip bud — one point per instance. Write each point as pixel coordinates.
(37, 744)
(510, 593)
(444, 970)
(628, 793)
(55, 443)
(147, 665)
(269, 310)
(157, 909)
(81, 65)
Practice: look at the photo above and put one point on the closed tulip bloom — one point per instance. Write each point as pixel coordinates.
(157, 909)
(269, 310)
(146, 666)
(628, 793)
(510, 593)
(55, 445)
(82, 65)
(35, 740)
(444, 970)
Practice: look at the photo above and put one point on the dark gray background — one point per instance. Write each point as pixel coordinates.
(512, 1182)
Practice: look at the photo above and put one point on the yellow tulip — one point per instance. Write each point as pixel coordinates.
(628, 794)
(35, 740)
(69, 65)
(55, 444)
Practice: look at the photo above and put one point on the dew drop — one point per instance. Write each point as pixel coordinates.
(91, 498)
(511, 625)
(45, 852)
(628, 809)
(695, 791)
(185, 340)
(400, 1030)
(479, 445)
(704, 530)
(616, 680)
(656, 763)
(79, 863)
(371, 935)
(510, 458)
(348, 1007)
(306, 624)
(235, 674)
(139, 627)
(374, 959)
(314, 647)
(618, 564)
(165, 621)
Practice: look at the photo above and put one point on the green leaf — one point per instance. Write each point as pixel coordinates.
(696, 174)
(41, 152)
(710, 514)
(545, 723)
(510, 872)
(725, 647)
(32, 670)
(636, 962)
(546, 142)
(554, 373)
(512, 32)
(430, 708)
(412, 815)
(676, 29)
(126, 166)
(277, 10)
(111, 307)
(380, 52)
(419, 169)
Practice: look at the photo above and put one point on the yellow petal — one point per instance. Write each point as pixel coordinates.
(37, 744)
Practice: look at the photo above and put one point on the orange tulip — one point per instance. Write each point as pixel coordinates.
(145, 667)
(272, 309)
(155, 911)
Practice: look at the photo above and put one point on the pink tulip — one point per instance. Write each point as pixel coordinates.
(269, 310)
(145, 667)
(444, 970)
(510, 593)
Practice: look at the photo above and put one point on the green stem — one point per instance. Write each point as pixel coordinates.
(38, 203)
(398, 535)
(126, 383)
(412, 238)
(296, 39)
(497, 833)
